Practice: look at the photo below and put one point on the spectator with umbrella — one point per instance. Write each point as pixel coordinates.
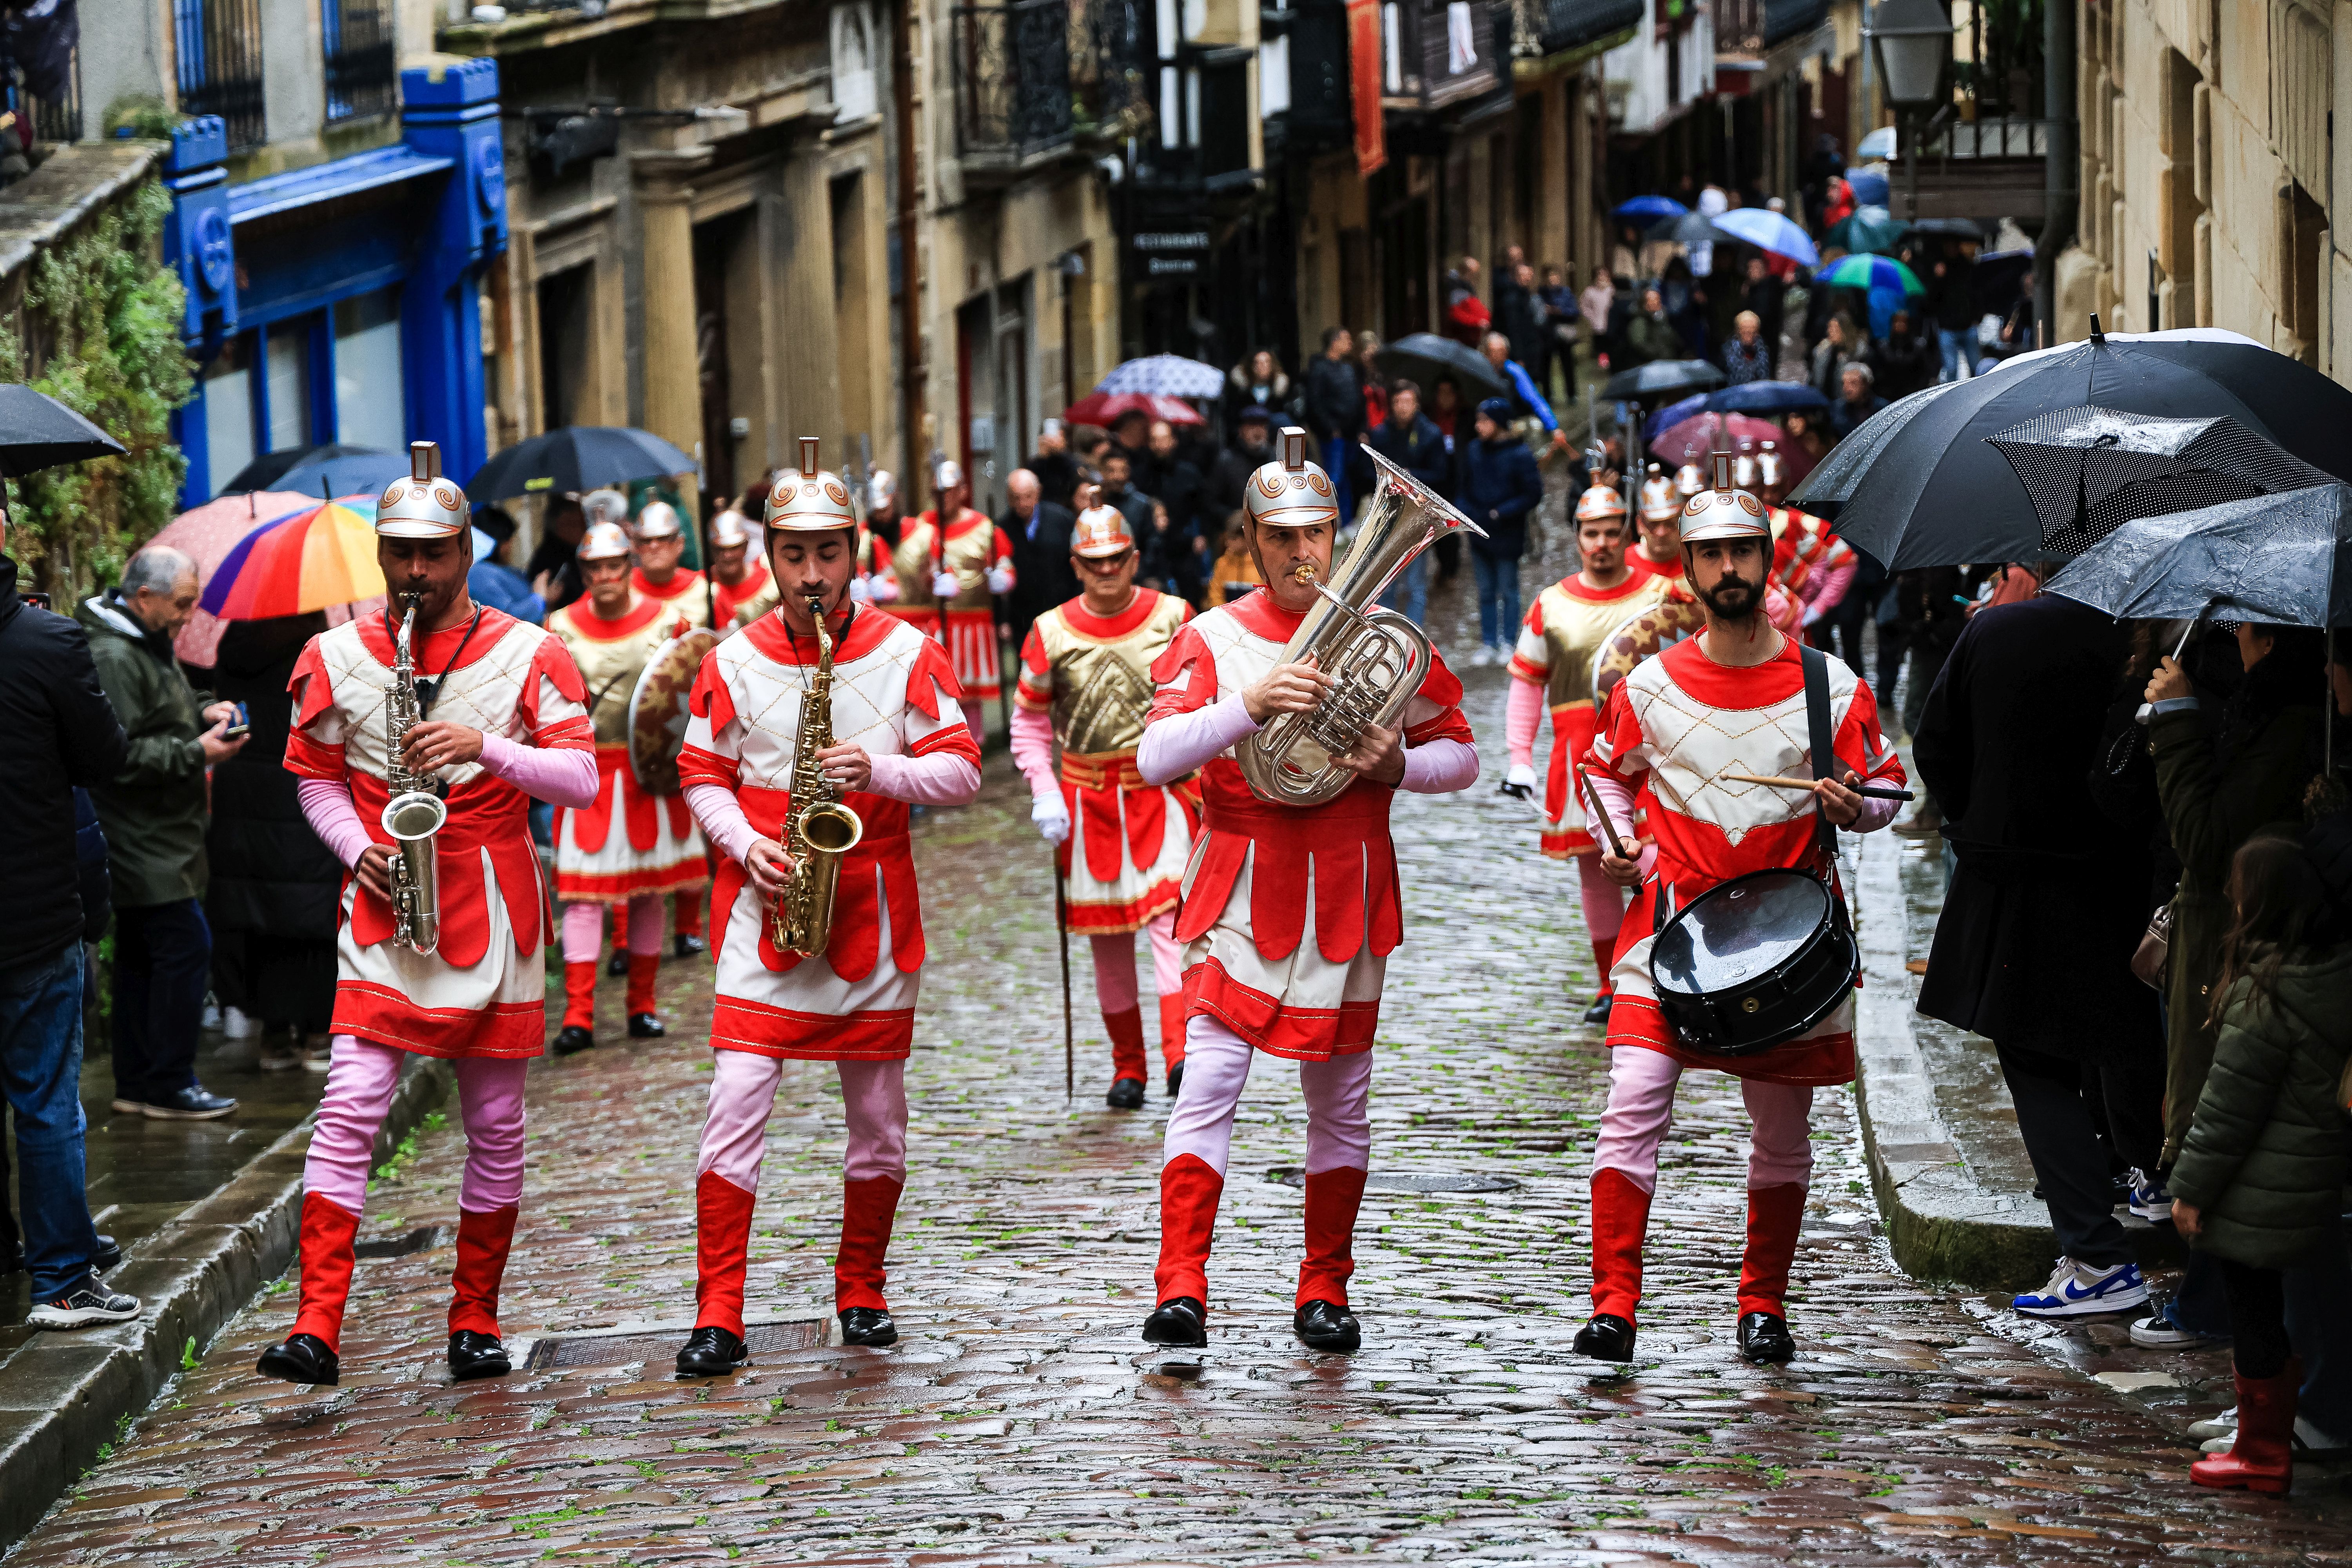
(1055, 470)
(1410, 440)
(1526, 400)
(1650, 337)
(1257, 382)
(1335, 410)
(553, 573)
(1748, 357)
(1901, 361)
(1856, 399)
(1500, 487)
(492, 582)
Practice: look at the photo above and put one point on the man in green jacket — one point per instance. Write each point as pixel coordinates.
(154, 812)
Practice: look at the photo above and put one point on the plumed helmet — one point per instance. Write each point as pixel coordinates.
(728, 529)
(1291, 491)
(807, 500)
(604, 541)
(606, 506)
(1601, 503)
(881, 490)
(948, 474)
(1689, 479)
(1743, 467)
(1659, 501)
(1770, 469)
(1101, 531)
(658, 520)
(425, 505)
(1725, 511)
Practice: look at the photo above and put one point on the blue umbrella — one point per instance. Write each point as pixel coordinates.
(327, 472)
(1650, 208)
(1671, 414)
(1869, 186)
(1766, 397)
(1165, 375)
(1769, 230)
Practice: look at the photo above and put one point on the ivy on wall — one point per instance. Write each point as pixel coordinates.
(102, 312)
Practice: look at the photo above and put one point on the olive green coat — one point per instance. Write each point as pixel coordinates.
(2265, 1155)
(2207, 819)
(155, 810)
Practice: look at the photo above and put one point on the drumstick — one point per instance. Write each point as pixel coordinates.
(1601, 813)
(1876, 791)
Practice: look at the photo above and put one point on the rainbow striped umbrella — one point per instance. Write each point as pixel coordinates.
(319, 556)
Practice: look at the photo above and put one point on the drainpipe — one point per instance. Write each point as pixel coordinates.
(2063, 199)
(912, 370)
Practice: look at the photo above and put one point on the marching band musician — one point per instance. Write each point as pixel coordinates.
(627, 848)
(946, 578)
(660, 543)
(1551, 670)
(1731, 700)
(1817, 563)
(1290, 912)
(502, 721)
(897, 741)
(1086, 684)
(1661, 551)
(743, 587)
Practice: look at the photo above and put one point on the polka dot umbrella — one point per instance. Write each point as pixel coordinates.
(319, 556)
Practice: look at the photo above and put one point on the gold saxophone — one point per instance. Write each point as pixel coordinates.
(818, 829)
(415, 811)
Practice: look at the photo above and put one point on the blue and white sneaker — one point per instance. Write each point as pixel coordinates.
(2149, 1198)
(2078, 1290)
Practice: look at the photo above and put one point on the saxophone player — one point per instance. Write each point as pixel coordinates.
(1290, 911)
(751, 767)
(500, 718)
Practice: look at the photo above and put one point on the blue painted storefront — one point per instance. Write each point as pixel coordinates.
(342, 302)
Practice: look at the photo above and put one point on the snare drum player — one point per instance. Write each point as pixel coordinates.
(1290, 912)
(1086, 685)
(1551, 670)
(898, 741)
(1731, 700)
(501, 721)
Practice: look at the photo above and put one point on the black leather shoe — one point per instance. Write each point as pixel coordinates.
(473, 1355)
(303, 1358)
(1178, 1321)
(1599, 1011)
(1327, 1326)
(1764, 1337)
(109, 1255)
(618, 965)
(867, 1326)
(1607, 1337)
(646, 1026)
(1126, 1094)
(684, 946)
(710, 1352)
(194, 1103)
(1175, 1080)
(571, 1040)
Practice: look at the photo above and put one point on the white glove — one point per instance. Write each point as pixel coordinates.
(860, 590)
(1000, 579)
(943, 584)
(1051, 817)
(1521, 780)
(885, 588)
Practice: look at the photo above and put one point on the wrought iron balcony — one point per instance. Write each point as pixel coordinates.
(1436, 54)
(1541, 28)
(1012, 98)
(1984, 169)
(1108, 84)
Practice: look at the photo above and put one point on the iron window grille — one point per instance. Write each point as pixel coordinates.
(220, 65)
(1013, 78)
(363, 74)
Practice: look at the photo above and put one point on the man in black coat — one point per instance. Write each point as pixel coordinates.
(2034, 947)
(1411, 440)
(1177, 484)
(1056, 471)
(62, 733)
(1040, 532)
(1335, 410)
(1251, 449)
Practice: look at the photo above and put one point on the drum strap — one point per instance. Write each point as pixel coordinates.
(1821, 737)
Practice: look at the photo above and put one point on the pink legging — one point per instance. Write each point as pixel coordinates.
(361, 1077)
(1641, 1107)
(1115, 981)
(1216, 1066)
(584, 928)
(1604, 900)
(743, 1093)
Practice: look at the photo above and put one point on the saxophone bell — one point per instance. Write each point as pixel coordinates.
(412, 820)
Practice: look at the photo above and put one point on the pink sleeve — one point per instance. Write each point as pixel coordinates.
(1522, 717)
(565, 777)
(941, 778)
(1033, 751)
(722, 819)
(1440, 766)
(327, 806)
(1617, 800)
(1875, 815)
(1175, 745)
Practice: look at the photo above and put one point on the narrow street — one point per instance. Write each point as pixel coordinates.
(1021, 1420)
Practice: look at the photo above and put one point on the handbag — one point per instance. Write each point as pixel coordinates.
(2147, 960)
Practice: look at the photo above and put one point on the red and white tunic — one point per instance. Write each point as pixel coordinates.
(629, 844)
(970, 548)
(481, 992)
(1290, 912)
(1564, 633)
(894, 695)
(1674, 726)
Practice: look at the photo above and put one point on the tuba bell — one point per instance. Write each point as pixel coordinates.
(1376, 656)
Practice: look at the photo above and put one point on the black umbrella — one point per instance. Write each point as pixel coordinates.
(2284, 559)
(1425, 356)
(576, 457)
(328, 471)
(1920, 483)
(1690, 228)
(37, 432)
(1997, 279)
(2090, 471)
(1766, 397)
(1659, 377)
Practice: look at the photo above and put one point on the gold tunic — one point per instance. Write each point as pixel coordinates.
(612, 655)
(1575, 626)
(969, 551)
(1100, 670)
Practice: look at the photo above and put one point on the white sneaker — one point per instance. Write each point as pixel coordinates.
(2162, 1330)
(212, 1019)
(2310, 1442)
(235, 1026)
(2149, 1199)
(87, 1303)
(2221, 1425)
(2078, 1290)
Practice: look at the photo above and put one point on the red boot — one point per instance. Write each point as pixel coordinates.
(483, 1242)
(2262, 1458)
(580, 995)
(1621, 1222)
(643, 1025)
(1127, 1056)
(1332, 1199)
(1171, 1031)
(1775, 1215)
(328, 1228)
(1605, 958)
(688, 921)
(1190, 1190)
(722, 1243)
(869, 1209)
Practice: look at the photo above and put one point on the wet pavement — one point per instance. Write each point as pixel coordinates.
(1020, 1419)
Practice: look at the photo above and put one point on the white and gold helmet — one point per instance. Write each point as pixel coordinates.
(1101, 531)
(1726, 511)
(1660, 503)
(807, 500)
(728, 529)
(1601, 503)
(425, 505)
(1291, 491)
(657, 520)
(1689, 479)
(602, 541)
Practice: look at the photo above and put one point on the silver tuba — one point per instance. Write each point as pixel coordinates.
(415, 811)
(1377, 657)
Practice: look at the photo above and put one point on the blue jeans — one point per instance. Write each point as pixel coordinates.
(1337, 450)
(163, 967)
(1499, 599)
(1410, 592)
(40, 1069)
(1955, 343)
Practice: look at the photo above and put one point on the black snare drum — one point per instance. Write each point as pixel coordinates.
(1754, 963)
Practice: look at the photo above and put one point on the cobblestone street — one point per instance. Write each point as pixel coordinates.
(1021, 1420)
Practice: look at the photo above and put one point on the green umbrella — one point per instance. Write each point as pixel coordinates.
(1866, 229)
(1871, 273)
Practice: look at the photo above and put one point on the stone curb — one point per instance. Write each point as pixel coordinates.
(62, 1395)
